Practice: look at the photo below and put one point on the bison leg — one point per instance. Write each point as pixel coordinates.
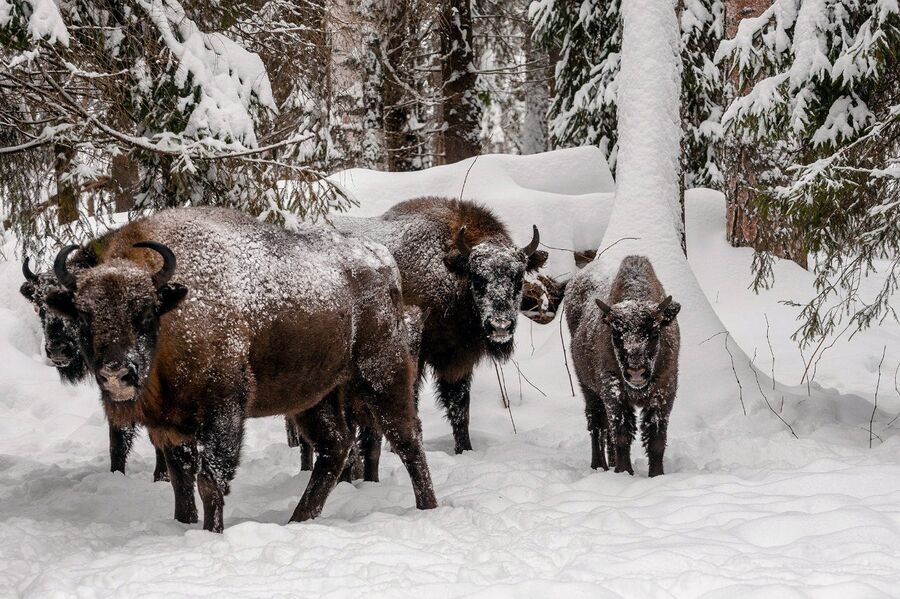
(394, 410)
(622, 424)
(370, 444)
(326, 426)
(454, 397)
(295, 438)
(219, 440)
(654, 430)
(181, 462)
(120, 440)
(598, 425)
(161, 470)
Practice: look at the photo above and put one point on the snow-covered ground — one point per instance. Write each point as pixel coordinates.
(745, 509)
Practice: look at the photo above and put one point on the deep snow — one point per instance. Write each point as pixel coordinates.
(745, 510)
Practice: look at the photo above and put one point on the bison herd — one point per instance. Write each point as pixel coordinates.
(194, 319)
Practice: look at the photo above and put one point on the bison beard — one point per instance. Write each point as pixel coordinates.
(625, 345)
(317, 328)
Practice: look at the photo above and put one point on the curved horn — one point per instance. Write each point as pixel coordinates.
(602, 305)
(62, 273)
(535, 240)
(165, 273)
(461, 245)
(26, 270)
(664, 304)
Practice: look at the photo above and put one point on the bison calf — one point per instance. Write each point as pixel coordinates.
(625, 343)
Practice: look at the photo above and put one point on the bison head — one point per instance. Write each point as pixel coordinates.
(117, 307)
(61, 335)
(494, 272)
(635, 328)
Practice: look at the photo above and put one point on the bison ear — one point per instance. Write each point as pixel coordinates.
(537, 260)
(170, 295)
(62, 301)
(669, 310)
(456, 262)
(27, 290)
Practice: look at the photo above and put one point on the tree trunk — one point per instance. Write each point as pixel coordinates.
(745, 162)
(124, 175)
(66, 190)
(461, 110)
(395, 57)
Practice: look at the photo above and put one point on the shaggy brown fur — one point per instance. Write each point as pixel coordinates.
(276, 323)
(625, 345)
(461, 294)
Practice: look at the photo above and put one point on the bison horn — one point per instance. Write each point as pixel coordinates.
(26, 270)
(168, 269)
(461, 245)
(603, 307)
(663, 305)
(62, 273)
(535, 241)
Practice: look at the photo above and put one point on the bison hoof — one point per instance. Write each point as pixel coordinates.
(187, 518)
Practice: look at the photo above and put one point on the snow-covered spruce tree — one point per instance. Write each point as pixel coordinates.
(588, 38)
(192, 109)
(822, 81)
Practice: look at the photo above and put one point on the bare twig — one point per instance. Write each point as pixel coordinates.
(505, 397)
(897, 390)
(877, 386)
(466, 178)
(771, 351)
(769, 405)
(565, 359)
(522, 375)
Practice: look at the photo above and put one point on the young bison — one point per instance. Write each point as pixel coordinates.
(462, 269)
(277, 323)
(625, 344)
(61, 344)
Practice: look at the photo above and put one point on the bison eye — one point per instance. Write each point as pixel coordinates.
(145, 319)
(84, 316)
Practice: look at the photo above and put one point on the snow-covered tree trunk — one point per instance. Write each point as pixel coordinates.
(648, 174)
(461, 107)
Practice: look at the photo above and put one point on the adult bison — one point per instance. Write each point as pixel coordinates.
(276, 323)
(460, 267)
(61, 345)
(625, 345)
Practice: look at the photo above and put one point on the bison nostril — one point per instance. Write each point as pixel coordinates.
(130, 377)
(636, 373)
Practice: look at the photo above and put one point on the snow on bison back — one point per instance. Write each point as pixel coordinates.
(253, 321)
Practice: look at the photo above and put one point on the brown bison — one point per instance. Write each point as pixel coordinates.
(257, 321)
(61, 344)
(462, 269)
(625, 344)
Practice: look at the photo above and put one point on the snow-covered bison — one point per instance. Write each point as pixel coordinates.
(460, 267)
(61, 344)
(625, 344)
(274, 323)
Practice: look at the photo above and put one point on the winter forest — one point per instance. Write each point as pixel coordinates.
(516, 298)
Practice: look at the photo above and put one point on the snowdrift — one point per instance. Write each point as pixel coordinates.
(745, 509)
